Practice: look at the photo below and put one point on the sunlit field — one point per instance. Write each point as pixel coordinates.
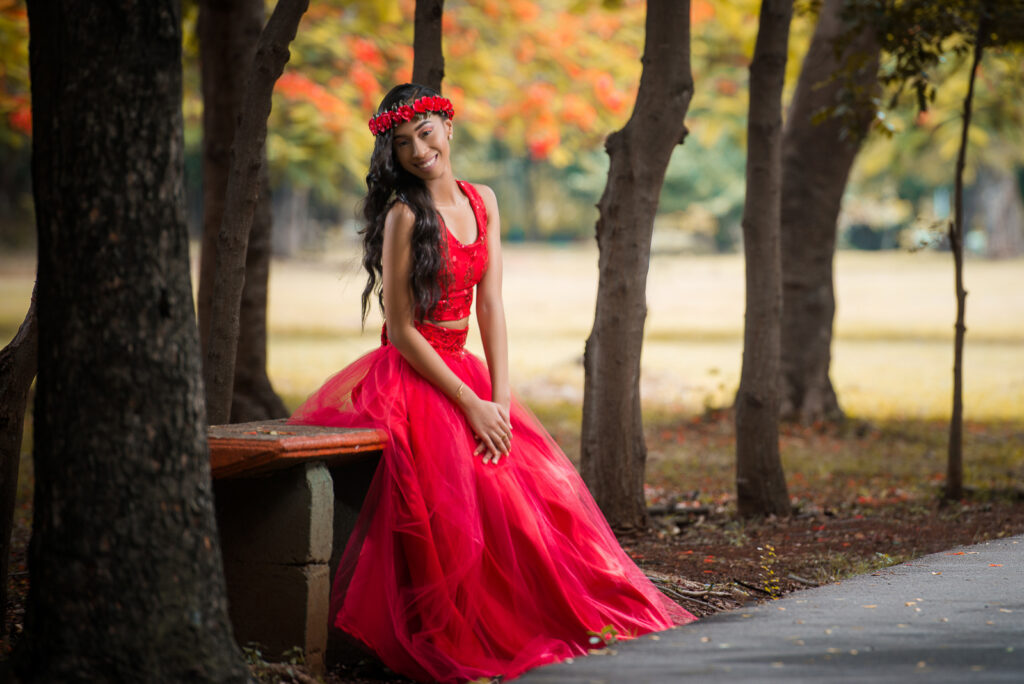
(892, 355)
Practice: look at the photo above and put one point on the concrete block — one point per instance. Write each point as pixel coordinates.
(280, 607)
(285, 517)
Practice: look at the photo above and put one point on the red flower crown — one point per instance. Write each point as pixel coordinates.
(385, 121)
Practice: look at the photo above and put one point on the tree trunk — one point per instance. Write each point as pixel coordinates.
(127, 582)
(428, 58)
(18, 362)
(228, 32)
(997, 199)
(760, 483)
(816, 161)
(613, 452)
(955, 461)
(243, 189)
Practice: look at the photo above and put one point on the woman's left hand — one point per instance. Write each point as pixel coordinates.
(492, 427)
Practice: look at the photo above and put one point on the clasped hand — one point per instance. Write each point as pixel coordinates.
(492, 427)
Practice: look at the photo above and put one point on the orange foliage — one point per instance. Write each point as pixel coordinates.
(368, 86)
(524, 10)
(542, 137)
(367, 52)
(491, 9)
(21, 119)
(726, 86)
(295, 86)
(701, 11)
(607, 94)
(577, 111)
(461, 43)
(605, 25)
(525, 51)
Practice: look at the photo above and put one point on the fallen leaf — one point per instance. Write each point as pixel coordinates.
(870, 605)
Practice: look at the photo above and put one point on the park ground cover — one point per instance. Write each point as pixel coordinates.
(865, 492)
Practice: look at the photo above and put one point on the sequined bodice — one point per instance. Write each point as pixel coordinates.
(464, 264)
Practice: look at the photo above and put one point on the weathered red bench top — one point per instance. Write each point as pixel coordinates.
(245, 449)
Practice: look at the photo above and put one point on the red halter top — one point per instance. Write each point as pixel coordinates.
(464, 265)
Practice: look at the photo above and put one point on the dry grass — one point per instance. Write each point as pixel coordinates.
(892, 355)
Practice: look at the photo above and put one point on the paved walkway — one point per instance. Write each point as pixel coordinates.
(956, 616)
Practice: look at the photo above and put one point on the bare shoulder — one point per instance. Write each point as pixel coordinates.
(487, 195)
(399, 220)
(490, 201)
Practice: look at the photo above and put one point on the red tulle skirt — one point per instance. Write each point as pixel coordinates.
(459, 570)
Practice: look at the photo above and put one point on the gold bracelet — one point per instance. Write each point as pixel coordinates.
(458, 392)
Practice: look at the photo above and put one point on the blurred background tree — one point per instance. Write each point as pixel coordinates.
(537, 87)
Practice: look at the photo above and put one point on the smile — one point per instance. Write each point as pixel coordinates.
(427, 164)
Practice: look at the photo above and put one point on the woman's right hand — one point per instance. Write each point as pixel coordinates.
(491, 425)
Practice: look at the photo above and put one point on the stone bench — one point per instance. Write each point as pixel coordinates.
(287, 498)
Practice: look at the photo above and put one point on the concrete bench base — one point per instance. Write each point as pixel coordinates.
(282, 531)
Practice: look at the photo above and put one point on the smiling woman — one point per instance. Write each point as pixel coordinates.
(477, 554)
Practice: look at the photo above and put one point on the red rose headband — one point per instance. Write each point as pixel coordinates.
(427, 104)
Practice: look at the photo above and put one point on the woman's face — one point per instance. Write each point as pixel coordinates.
(422, 148)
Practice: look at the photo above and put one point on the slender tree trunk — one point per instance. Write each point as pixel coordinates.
(816, 161)
(228, 32)
(760, 483)
(127, 583)
(613, 448)
(955, 462)
(243, 189)
(428, 58)
(18, 362)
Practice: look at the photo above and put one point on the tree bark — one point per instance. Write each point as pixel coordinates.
(760, 483)
(816, 161)
(428, 58)
(127, 582)
(18, 363)
(613, 452)
(228, 32)
(955, 463)
(243, 189)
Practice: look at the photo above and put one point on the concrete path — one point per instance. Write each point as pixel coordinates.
(956, 616)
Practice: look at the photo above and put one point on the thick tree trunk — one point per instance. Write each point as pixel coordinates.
(18, 362)
(760, 483)
(613, 449)
(243, 189)
(816, 161)
(955, 461)
(228, 33)
(428, 58)
(126, 583)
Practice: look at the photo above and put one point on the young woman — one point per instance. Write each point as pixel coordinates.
(479, 551)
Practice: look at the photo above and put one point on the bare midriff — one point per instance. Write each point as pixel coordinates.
(460, 324)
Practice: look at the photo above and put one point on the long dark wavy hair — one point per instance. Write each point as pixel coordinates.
(386, 183)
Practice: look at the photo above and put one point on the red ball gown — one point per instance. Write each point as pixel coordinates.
(459, 570)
